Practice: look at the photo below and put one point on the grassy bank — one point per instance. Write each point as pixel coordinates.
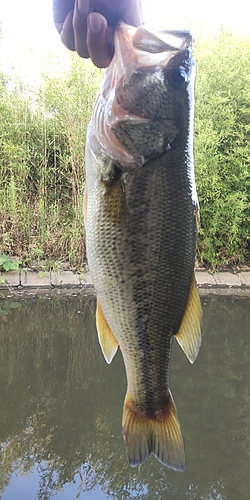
(42, 177)
(42, 138)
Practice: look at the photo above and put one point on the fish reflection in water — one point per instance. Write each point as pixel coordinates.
(141, 217)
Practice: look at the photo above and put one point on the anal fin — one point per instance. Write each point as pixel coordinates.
(107, 340)
(189, 333)
(160, 436)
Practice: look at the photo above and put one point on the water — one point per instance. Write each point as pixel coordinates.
(61, 407)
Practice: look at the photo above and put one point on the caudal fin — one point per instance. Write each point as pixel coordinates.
(159, 435)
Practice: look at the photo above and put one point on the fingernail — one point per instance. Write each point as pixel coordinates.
(83, 6)
(95, 23)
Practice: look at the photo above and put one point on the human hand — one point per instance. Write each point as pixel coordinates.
(87, 25)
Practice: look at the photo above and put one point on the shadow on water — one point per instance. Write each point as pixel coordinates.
(61, 406)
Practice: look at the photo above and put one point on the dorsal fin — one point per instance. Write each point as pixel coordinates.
(107, 340)
(189, 333)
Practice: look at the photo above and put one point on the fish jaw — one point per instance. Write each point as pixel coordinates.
(140, 111)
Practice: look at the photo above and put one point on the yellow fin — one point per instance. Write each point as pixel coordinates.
(85, 204)
(107, 340)
(189, 334)
(158, 434)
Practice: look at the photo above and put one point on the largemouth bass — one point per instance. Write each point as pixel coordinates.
(141, 214)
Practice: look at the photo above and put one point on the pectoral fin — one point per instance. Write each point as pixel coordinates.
(107, 340)
(189, 334)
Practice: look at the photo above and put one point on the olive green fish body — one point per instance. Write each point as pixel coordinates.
(141, 223)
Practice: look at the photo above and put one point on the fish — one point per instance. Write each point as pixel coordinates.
(141, 217)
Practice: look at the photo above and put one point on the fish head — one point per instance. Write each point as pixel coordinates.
(146, 95)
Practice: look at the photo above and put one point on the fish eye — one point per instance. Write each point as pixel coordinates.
(179, 76)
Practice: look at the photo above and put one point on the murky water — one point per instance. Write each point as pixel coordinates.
(61, 407)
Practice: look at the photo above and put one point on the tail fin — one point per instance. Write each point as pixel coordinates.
(159, 435)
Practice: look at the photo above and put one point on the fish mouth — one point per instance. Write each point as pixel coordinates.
(139, 54)
(123, 110)
(141, 48)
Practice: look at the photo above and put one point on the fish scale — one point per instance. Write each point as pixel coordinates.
(141, 223)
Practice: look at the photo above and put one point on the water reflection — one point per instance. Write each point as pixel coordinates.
(61, 407)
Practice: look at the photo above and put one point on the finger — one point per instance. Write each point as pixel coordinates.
(59, 27)
(67, 32)
(131, 13)
(113, 10)
(81, 12)
(61, 8)
(97, 43)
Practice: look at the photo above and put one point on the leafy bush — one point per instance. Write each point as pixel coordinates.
(222, 149)
(7, 264)
(42, 178)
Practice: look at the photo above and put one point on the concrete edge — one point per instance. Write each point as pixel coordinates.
(224, 280)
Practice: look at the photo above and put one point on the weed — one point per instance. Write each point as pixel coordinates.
(7, 264)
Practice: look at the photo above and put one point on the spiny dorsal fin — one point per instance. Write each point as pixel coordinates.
(160, 436)
(107, 340)
(189, 334)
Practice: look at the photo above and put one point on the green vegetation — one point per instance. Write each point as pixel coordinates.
(222, 149)
(42, 139)
(7, 264)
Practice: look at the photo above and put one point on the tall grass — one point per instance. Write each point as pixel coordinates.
(42, 141)
(222, 149)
